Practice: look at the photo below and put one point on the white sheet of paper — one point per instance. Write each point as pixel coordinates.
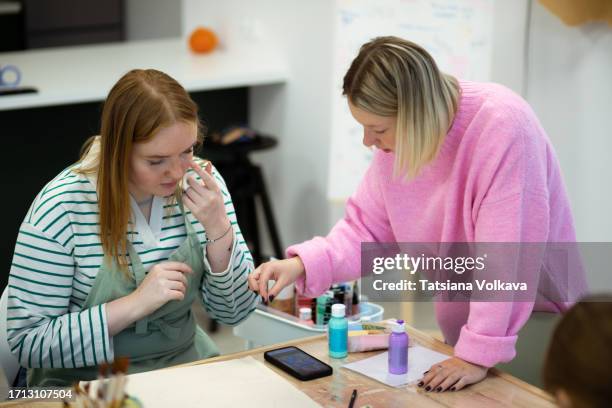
(420, 359)
(243, 382)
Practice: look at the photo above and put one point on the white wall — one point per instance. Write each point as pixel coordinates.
(570, 88)
(148, 19)
(509, 29)
(297, 113)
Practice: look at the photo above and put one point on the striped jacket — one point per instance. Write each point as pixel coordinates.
(57, 256)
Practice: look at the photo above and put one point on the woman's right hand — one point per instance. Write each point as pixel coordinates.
(284, 272)
(164, 282)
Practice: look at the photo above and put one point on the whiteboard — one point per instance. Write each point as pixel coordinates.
(457, 33)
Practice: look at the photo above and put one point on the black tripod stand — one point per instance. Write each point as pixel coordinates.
(246, 184)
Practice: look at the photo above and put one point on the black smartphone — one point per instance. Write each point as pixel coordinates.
(298, 363)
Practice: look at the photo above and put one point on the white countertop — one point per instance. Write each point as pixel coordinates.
(86, 73)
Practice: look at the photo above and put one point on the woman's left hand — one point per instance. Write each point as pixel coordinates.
(205, 201)
(452, 374)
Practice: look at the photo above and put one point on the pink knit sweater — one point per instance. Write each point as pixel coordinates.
(495, 179)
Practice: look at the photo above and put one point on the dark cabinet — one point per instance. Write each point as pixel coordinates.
(51, 23)
(11, 26)
(54, 23)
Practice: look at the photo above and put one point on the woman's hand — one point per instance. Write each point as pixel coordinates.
(205, 201)
(452, 374)
(165, 281)
(284, 272)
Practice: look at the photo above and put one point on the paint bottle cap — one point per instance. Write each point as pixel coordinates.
(305, 313)
(338, 310)
(399, 327)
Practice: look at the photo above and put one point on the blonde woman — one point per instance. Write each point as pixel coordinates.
(456, 161)
(112, 253)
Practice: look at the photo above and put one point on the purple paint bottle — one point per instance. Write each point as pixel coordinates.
(398, 349)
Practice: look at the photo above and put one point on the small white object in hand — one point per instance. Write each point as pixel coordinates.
(185, 183)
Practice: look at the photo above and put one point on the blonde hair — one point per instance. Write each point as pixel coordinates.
(395, 77)
(140, 104)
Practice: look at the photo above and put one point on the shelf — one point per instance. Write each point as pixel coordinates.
(80, 74)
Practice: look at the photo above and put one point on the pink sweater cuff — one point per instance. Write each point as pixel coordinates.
(484, 350)
(317, 278)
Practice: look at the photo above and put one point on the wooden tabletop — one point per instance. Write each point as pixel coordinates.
(499, 389)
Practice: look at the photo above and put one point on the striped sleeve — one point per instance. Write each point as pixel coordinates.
(41, 330)
(226, 294)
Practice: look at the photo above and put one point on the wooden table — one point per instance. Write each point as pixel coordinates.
(499, 389)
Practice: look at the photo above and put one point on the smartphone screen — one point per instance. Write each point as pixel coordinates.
(303, 364)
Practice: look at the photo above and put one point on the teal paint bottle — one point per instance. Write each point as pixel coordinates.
(320, 309)
(337, 332)
(323, 308)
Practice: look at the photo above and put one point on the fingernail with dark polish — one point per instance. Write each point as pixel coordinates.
(420, 384)
(453, 388)
(271, 298)
(427, 388)
(438, 389)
